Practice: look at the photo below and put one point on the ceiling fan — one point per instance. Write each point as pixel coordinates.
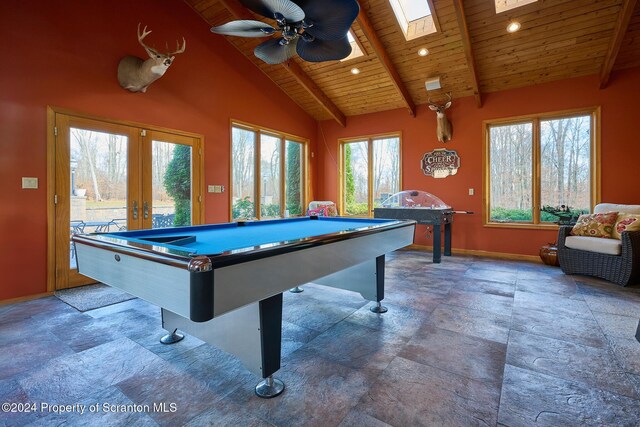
(314, 29)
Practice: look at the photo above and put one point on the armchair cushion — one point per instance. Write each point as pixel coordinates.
(595, 225)
(594, 244)
(626, 222)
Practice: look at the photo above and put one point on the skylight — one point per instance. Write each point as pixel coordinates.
(415, 17)
(504, 5)
(413, 9)
(355, 48)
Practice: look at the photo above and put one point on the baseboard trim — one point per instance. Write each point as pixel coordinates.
(484, 254)
(23, 299)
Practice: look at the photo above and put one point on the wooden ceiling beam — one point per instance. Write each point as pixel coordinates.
(383, 56)
(624, 17)
(468, 52)
(238, 11)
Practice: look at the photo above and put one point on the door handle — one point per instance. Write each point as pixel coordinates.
(145, 210)
(135, 209)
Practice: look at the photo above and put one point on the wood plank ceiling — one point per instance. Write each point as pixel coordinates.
(473, 54)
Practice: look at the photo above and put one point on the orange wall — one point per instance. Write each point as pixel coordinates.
(65, 53)
(620, 151)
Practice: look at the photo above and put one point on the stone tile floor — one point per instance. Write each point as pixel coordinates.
(470, 341)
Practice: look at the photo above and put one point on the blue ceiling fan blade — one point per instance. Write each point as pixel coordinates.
(291, 11)
(274, 51)
(329, 19)
(244, 28)
(323, 50)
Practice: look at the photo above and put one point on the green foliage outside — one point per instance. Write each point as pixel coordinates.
(270, 211)
(352, 207)
(521, 215)
(177, 182)
(243, 209)
(350, 185)
(511, 215)
(292, 181)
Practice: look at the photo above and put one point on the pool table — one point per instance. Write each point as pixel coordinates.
(223, 283)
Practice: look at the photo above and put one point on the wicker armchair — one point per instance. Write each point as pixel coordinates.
(623, 269)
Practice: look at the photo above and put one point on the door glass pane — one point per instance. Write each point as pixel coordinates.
(243, 146)
(565, 147)
(270, 176)
(511, 153)
(294, 181)
(356, 184)
(98, 170)
(386, 168)
(171, 184)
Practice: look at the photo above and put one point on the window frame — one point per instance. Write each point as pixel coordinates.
(283, 137)
(405, 25)
(342, 175)
(534, 119)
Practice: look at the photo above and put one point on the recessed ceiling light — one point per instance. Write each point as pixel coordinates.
(513, 27)
(355, 71)
(423, 52)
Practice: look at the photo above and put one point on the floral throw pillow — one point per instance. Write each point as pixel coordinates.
(626, 222)
(330, 209)
(317, 212)
(595, 225)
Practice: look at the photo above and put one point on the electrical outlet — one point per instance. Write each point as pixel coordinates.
(29, 183)
(472, 192)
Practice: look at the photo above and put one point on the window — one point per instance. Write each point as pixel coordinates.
(268, 173)
(537, 161)
(370, 172)
(356, 51)
(504, 5)
(415, 17)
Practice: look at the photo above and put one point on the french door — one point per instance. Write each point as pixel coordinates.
(112, 176)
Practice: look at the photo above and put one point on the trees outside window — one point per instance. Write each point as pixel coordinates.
(268, 174)
(537, 161)
(370, 173)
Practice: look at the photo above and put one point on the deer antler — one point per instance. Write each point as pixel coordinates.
(432, 103)
(141, 36)
(180, 49)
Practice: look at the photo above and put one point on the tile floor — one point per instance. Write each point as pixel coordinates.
(470, 341)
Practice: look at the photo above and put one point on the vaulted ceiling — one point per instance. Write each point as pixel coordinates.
(473, 54)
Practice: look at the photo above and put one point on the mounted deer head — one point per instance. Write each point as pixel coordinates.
(444, 130)
(136, 75)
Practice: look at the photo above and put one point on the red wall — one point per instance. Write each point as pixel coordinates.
(65, 53)
(620, 151)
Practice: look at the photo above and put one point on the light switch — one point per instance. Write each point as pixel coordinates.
(29, 183)
(472, 192)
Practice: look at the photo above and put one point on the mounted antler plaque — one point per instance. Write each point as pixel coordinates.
(136, 74)
(440, 163)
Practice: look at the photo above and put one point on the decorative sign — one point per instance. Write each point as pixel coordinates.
(440, 163)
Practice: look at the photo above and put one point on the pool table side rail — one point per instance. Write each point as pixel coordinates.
(181, 259)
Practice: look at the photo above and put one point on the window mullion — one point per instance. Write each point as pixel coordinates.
(282, 176)
(258, 174)
(370, 175)
(536, 184)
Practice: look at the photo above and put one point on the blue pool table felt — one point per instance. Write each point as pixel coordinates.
(218, 238)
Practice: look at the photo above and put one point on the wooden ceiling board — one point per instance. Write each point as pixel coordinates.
(559, 39)
(629, 55)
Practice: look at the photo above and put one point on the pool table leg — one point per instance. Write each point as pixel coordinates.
(379, 308)
(172, 338)
(252, 333)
